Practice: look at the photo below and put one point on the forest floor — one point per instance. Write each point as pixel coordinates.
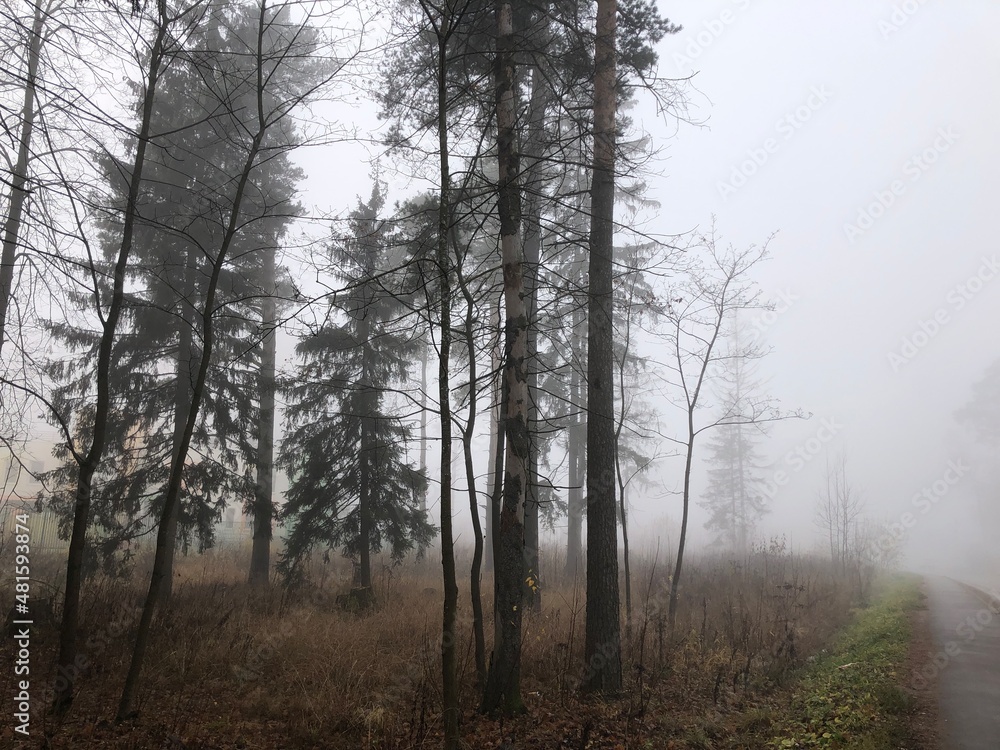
(758, 648)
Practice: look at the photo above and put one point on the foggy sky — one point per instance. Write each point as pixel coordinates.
(817, 110)
(843, 101)
(899, 83)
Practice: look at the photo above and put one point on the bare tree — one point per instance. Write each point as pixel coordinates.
(161, 24)
(698, 310)
(839, 513)
(636, 429)
(468, 433)
(444, 20)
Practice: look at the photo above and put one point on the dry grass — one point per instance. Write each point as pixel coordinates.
(230, 667)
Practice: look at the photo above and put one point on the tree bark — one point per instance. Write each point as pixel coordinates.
(532, 257)
(19, 176)
(366, 455)
(263, 506)
(602, 646)
(468, 433)
(625, 550)
(575, 446)
(68, 668)
(183, 381)
(628, 304)
(675, 580)
(503, 687)
(444, 24)
(423, 422)
(496, 444)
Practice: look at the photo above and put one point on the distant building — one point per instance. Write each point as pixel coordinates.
(22, 492)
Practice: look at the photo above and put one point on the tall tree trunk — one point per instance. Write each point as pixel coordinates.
(366, 456)
(126, 705)
(19, 175)
(623, 507)
(496, 499)
(532, 256)
(602, 646)
(503, 687)
(743, 521)
(468, 433)
(183, 382)
(675, 580)
(68, 668)
(628, 304)
(423, 422)
(444, 23)
(263, 504)
(575, 446)
(491, 481)
(496, 444)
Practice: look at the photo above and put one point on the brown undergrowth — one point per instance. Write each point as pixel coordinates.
(230, 667)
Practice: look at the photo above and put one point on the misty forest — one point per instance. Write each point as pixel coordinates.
(445, 373)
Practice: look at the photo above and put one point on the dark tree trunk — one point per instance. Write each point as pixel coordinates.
(496, 499)
(497, 446)
(602, 646)
(477, 562)
(126, 706)
(443, 24)
(532, 255)
(19, 175)
(366, 457)
(67, 661)
(503, 687)
(183, 381)
(675, 580)
(263, 504)
(625, 551)
(468, 434)
(576, 446)
(423, 421)
(623, 504)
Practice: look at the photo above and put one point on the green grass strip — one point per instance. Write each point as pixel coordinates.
(850, 696)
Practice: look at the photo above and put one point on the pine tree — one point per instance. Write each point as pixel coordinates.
(734, 495)
(186, 198)
(351, 487)
(226, 441)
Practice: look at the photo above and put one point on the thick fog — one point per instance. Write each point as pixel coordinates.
(861, 135)
(864, 135)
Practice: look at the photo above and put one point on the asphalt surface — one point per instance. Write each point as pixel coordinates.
(965, 625)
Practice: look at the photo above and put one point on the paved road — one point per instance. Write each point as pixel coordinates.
(965, 625)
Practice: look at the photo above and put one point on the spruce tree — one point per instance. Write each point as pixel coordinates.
(186, 197)
(351, 486)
